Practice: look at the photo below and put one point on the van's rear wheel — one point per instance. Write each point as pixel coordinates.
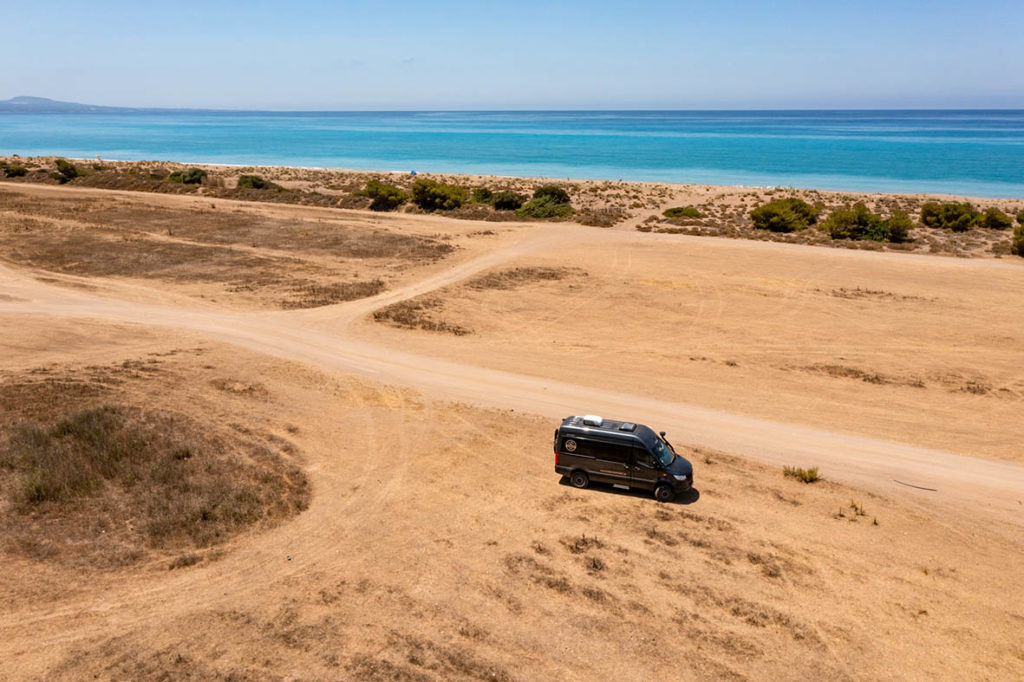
(579, 479)
(664, 493)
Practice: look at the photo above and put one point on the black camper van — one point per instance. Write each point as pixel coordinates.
(624, 454)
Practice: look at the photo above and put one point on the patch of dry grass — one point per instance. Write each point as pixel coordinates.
(417, 313)
(515, 277)
(91, 480)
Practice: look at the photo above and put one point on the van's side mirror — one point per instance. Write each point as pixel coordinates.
(661, 433)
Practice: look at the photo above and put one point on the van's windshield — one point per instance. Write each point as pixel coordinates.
(663, 451)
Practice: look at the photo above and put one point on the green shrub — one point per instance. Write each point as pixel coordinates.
(784, 215)
(958, 217)
(682, 212)
(900, 225)
(508, 200)
(855, 223)
(553, 192)
(802, 475)
(995, 219)
(1020, 217)
(13, 170)
(483, 195)
(432, 196)
(1017, 246)
(544, 207)
(385, 197)
(66, 170)
(192, 176)
(256, 182)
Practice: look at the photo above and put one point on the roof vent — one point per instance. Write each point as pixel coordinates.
(592, 420)
(628, 426)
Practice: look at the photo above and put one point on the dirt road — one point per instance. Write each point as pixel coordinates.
(317, 337)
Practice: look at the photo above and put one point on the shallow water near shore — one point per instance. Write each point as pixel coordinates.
(973, 153)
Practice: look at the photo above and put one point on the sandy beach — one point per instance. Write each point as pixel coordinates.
(406, 369)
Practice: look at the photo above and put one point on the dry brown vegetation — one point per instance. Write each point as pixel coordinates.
(724, 211)
(248, 256)
(92, 480)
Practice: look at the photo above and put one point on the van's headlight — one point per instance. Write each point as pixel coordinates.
(679, 477)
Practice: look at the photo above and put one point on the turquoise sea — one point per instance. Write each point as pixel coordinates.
(978, 153)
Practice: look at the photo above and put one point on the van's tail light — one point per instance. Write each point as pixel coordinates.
(556, 457)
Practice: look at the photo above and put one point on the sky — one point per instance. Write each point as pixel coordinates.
(453, 54)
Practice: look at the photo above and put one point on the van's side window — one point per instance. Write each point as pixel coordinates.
(644, 458)
(612, 452)
(577, 446)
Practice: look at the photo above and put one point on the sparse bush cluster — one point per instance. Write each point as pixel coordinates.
(802, 475)
(682, 212)
(785, 215)
(66, 171)
(860, 223)
(549, 201)
(191, 176)
(508, 200)
(385, 197)
(962, 216)
(431, 195)
(1017, 246)
(13, 170)
(416, 313)
(256, 182)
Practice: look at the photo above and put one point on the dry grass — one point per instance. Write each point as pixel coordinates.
(107, 484)
(513, 278)
(248, 257)
(803, 475)
(418, 313)
(317, 295)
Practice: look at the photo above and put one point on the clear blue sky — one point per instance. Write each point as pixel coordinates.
(454, 54)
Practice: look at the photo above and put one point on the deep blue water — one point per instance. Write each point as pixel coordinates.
(979, 153)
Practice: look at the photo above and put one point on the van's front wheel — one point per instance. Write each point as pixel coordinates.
(664, 493)
(579, 479)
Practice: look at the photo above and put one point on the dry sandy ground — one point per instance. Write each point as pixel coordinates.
(439, 542)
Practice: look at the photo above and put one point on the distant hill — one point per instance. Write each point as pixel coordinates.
(42, 105)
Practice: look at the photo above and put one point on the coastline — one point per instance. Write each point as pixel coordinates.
(962, 153)
(615, 204)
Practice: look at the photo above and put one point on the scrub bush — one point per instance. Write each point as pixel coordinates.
(482, 195)
(860, 223)
(802, 475)
(900, 225)
(958, 217)
(66, 170)
(784, 215)
(682, 212)
(432, 196)
(553, 192)
(13, 171)
(508, 201)
(1017, 246)
(385, 197)
(545, 207)
(192, 176)
(995, 219)
(256, 182)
